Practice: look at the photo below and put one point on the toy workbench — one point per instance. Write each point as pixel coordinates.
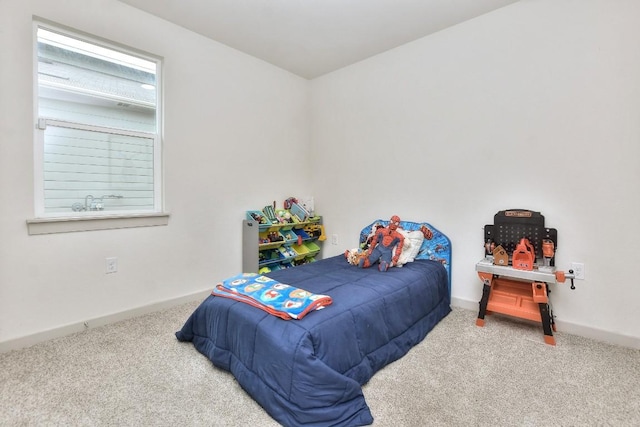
(518, 267)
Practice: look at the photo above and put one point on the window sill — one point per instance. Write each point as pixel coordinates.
(91, 223)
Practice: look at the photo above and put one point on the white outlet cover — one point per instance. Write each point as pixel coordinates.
(111, 265)
(578, 270)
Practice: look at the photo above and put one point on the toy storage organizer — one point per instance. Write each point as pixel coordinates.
(520, 290)
(274, 246)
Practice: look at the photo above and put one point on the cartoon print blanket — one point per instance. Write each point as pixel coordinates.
(279, 299)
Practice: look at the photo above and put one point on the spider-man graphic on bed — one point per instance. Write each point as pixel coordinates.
(382, 244)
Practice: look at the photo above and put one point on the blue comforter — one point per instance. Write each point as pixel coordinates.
(310, 371)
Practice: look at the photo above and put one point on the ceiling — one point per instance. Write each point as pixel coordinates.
(314, 37)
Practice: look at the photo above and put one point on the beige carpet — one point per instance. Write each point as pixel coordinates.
(135, 373)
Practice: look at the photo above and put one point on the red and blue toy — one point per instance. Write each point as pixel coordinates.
(381, 249)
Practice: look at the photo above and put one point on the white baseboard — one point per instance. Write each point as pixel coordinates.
(571, 328)
(30, 340)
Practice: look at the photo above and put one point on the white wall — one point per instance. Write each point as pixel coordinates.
(233, 124)
(534, 106)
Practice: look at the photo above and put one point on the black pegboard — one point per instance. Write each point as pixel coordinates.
(509, 226)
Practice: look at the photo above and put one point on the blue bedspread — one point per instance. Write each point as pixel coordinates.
(310, 371)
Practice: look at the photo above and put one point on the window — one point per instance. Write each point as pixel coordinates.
(97, 140)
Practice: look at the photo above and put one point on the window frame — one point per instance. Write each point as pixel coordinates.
(53, 222)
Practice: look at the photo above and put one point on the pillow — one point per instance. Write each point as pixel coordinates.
(412, 243)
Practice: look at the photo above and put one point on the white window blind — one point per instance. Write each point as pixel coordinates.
(97, 169)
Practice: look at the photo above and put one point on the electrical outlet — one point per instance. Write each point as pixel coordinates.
(578, 270)
(334, 239)
(111, 265)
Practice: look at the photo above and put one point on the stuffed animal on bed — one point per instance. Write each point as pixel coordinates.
(382, 246)
(353, 256)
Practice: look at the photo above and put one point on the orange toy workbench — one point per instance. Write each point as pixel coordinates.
(518, 293)
(518, 267)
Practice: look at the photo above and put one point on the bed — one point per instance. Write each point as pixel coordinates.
(311, 371)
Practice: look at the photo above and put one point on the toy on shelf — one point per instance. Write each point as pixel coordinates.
(519, 285)
(260, 219)
(270, 213)
(274, 238)
(285, 216)
(316, 231)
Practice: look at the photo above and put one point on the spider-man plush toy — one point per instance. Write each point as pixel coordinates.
(382, 244)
